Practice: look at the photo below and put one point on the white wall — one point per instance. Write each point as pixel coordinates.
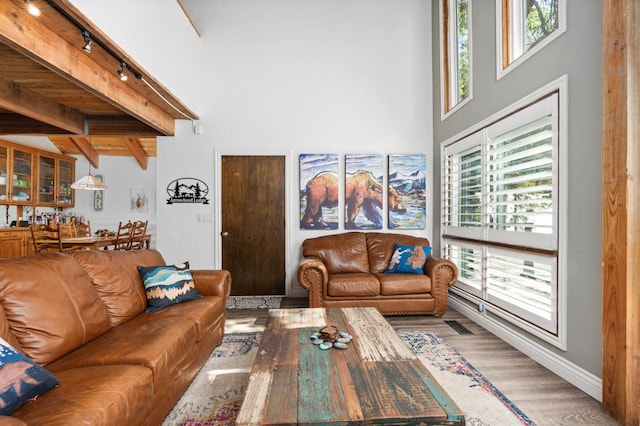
(291, 77)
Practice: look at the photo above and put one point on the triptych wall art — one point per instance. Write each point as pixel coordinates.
(363, 192)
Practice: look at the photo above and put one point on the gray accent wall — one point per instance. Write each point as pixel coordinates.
(578, 54)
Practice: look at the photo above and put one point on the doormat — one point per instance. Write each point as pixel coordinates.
(254, 302)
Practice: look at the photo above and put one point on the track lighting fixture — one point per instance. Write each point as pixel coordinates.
(123, 76)
(87, 41)
(32, 8)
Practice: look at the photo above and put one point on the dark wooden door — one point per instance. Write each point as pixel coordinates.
(253, 223)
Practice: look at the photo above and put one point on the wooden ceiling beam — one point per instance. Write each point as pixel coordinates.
(16, 124)
(18, 99)
(137, 152)
(125, 126)
(84, 145)
(27, 35)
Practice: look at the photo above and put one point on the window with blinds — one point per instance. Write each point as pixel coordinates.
(500, 215)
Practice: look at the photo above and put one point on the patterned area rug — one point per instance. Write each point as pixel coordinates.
(253, 302)
(482, 403)
(215, 395)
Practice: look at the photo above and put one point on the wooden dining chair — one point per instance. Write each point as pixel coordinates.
(123, 236)
(67, 231)
(45, 238)
(83, 229)
(138, 235)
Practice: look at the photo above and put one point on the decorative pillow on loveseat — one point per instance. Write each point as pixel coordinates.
(167, 285)
(408, 259)
(21, 379)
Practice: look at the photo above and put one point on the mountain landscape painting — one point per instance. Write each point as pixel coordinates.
(407, 181)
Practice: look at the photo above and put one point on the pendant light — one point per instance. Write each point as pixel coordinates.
(89, 182)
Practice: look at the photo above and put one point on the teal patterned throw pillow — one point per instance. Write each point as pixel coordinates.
(21, 379)
(167, 285)
(408, 259)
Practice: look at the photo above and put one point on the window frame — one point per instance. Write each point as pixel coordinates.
(447, 50)
(504, 41)
(470, 238)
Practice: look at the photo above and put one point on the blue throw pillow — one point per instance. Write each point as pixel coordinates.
(167, 285)
(21, 379)
(408, 259)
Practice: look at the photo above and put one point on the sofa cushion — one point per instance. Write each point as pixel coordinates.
(408, 259)
(353, 285)
(160, 345)
(92, 396)
(167, 285)
(21, 379)
(51, 305)
(117, 281)
(341, 253)
(380, 248)
(399, 284)
(206, 312)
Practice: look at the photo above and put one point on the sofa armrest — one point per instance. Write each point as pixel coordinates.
(313, 276)
(443, 274)
(212, 282)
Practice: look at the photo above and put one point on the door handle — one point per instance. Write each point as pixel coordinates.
(224, 234)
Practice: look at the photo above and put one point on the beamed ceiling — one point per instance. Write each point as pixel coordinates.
(49, 86)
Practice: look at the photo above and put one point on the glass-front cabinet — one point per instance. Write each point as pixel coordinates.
(55, 176)
(46, 181)
(66, 176)
(4, 172)
(21, 182)
(31, 177)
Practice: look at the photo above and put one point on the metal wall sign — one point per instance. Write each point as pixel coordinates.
(187, 190)
(98, 196)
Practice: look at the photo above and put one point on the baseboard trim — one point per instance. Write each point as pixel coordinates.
(577, 376)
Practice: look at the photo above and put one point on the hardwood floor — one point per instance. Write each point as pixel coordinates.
(545, 397)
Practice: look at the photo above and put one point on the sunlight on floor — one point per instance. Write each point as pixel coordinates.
(242, 325)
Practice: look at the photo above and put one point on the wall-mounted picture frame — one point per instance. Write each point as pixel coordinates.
(364, 191)
(406, 201)
(139, 200)
(319, 191)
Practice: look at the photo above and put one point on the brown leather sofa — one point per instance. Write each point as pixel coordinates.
(81, 316)
(349, 270)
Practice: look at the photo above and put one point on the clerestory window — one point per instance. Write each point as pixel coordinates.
(455, 30)
(524, 27)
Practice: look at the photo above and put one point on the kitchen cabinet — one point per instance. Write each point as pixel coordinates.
(16, 174)
(15, 242)
(31, 177)
(55, 176)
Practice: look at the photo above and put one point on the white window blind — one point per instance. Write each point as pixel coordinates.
(500, 214)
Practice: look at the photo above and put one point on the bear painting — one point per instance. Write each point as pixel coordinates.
(321, 192)
(363, 197)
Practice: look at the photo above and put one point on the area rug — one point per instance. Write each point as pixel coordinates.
(253, 302)
(215, 395)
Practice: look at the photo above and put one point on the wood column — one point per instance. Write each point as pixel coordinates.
(621, 210)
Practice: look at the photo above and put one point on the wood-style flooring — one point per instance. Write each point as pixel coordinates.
(545, 397)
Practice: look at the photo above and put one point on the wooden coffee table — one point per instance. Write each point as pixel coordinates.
(377, 379)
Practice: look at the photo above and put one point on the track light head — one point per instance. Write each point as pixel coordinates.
(87, 41)
(121, 73)
(32, 8)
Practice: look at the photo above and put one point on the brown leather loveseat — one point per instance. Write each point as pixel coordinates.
(82, 317)
(352, 270)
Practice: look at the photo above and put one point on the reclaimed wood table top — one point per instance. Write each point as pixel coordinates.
(376, 379)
